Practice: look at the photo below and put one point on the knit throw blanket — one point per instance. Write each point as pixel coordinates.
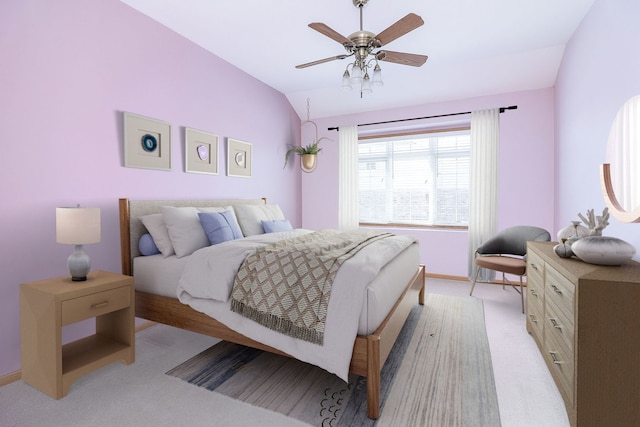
(286, 285)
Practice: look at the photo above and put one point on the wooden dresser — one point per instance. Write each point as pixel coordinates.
(585, 319)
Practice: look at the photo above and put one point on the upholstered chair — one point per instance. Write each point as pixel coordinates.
(506, 253)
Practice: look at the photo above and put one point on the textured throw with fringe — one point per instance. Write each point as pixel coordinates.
(286, 286)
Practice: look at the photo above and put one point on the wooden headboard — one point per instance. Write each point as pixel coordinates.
(131, 228)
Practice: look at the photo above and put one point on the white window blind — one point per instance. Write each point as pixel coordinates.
(415, 179)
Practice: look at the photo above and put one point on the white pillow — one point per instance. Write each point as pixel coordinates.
(154, 224)
(250, 217)
(185, 231)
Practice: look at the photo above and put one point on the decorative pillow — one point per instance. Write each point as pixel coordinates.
(276, 226)
(220, 226)
(185, 231)
(250, 217)
(154, 224)
(147, 246)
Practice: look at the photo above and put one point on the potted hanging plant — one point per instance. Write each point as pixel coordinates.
(307, 154)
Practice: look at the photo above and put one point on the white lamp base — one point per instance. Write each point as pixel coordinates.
(79, 264)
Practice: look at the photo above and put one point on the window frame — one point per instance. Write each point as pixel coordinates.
(465, 127)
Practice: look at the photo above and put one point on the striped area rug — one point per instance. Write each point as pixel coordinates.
(438, 374)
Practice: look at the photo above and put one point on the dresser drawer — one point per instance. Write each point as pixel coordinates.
(561, 361)
(559, 325)
(88, 306)
(560, 291)
(535, 320)
(535, 297)
(535, 269)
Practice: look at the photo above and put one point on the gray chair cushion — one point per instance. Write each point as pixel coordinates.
(513, 240)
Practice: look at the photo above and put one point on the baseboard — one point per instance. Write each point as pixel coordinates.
(17, 375)
(447, 277)
(10, 377)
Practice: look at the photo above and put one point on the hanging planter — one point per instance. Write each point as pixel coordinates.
(308, 153)
(308, 162)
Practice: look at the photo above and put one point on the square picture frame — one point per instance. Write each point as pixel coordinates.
(200, 152)
(239, 158)
(147, 142)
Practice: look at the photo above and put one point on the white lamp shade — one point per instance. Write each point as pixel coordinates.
(77, 226)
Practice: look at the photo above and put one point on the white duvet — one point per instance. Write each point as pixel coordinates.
(208, 276)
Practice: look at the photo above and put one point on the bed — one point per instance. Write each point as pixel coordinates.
(379, 322)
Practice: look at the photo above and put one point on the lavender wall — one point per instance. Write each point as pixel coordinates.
(525, 176)
(69, 69)
(599, 72)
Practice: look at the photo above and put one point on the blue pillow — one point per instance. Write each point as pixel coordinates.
(220, 226)
(147, 246)
(276, 226)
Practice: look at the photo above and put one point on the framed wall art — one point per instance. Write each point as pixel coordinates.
(200, 152)
(147, 142)
(238, 158)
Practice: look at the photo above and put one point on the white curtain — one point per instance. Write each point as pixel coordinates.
(348, 217)
(483, 187)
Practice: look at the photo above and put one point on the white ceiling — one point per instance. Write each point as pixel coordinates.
(475, 47)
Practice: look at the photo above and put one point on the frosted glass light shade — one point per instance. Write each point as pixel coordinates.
(356, 74)
(77, 226)
(377, 77)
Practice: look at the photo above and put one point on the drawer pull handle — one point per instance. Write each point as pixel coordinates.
(533, 318)
(556, 289)
(555, 323)
(554, 356)
(534, 266)
(99, 305)
(534, 293)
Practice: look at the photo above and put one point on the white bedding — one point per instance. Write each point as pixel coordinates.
(207, 278)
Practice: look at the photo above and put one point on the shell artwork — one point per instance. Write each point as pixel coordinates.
(596, 224)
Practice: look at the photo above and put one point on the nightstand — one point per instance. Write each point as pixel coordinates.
(48, 305)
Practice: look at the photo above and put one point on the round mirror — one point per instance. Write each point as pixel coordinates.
(620, 175)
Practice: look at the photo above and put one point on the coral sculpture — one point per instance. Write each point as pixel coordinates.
(595, 224)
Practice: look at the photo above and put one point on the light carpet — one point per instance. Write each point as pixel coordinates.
(439, 373)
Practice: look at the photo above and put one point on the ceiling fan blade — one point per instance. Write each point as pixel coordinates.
(332, 34)
(402, 58)
(400, 28)
(321, 61)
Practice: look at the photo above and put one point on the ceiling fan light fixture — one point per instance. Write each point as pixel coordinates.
(366, 84)
(356, 73)
(377, 76)
(362, 46)
(346, 81)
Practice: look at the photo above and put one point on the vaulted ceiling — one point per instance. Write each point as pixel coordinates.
(475, 48)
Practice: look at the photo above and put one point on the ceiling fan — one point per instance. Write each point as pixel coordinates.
(365, 46)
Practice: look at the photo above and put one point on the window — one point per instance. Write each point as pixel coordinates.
(415, 179)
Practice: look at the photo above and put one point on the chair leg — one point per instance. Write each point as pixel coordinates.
(475, 277)
(521, 295)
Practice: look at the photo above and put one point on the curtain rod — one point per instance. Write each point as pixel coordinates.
(502, 110)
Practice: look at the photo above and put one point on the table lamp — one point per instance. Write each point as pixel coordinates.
(78, 226)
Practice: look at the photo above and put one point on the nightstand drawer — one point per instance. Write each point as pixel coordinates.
(85, 307)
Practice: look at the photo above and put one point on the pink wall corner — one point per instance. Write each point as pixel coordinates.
(70, 69)
(526, 173)
(599, 72)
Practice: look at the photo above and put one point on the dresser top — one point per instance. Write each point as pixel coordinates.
(576, 269)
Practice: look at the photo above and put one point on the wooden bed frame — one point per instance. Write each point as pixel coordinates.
(369, 352)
